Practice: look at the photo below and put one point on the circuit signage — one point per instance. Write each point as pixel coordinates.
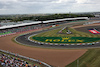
(66, 39)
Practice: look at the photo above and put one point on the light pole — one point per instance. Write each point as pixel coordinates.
(77, 62)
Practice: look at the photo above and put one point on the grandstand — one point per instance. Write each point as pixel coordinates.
(9, 59)
(13, 29)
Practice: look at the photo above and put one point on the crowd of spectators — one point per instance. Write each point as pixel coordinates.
(26, 28)
(11, 61)
(19, 29)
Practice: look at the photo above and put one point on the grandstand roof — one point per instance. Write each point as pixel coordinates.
(65, 19)
(23, 24)
(37, 22)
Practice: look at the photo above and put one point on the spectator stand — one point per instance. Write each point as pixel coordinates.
(9, 59)
(18, 28)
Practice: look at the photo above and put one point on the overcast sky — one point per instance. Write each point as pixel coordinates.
(47, 6)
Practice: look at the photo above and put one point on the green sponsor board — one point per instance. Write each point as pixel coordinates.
(66, 39)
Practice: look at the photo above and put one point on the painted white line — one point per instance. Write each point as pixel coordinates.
(78, 44)
(72, 44)
(93, 42)
(97, 42)
(42, 43)
(46, 43)
(67, 44)
(88, 43)
(30, 39)
(55, 44)
(64, 44)
(83, 43)
(51, 44)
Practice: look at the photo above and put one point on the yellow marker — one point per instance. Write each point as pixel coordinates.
(56, 40)
(73, 40)
(48, 40)
(79, 40)
(62, 40)
(69, 40)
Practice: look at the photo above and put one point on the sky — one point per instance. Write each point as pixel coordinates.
(48, 6)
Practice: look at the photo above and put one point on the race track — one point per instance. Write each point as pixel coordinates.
(23, 39)
(55, 57)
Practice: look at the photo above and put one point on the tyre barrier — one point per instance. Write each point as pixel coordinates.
(24, 57)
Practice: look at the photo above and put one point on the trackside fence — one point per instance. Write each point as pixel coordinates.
(24, 57)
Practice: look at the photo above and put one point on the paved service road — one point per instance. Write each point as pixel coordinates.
(23, 39)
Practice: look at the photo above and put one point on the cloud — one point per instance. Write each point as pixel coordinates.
(64, 1)
(81, 1)
(88, 1)
(36, 0)
(47, 6)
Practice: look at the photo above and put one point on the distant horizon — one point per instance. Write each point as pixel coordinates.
(50, 13)
(48, 6)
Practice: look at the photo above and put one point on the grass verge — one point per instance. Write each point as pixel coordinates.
(54, 33)
(90, 59)
(75, 33)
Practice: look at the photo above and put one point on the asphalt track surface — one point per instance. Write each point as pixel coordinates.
(23, 39)
(85, 29)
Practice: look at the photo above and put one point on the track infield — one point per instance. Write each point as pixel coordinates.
(79, 35)
(51, 56)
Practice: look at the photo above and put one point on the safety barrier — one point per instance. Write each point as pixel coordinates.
(31, 59)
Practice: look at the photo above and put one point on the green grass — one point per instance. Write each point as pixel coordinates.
(64, 40)
(54, 33)
(64, 31)
(90, 59)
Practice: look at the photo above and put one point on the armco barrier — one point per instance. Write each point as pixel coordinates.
(31, 59)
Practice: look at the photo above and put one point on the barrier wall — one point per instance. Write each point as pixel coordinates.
(26, 58)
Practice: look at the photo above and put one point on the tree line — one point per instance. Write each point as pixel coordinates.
(43, 17)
